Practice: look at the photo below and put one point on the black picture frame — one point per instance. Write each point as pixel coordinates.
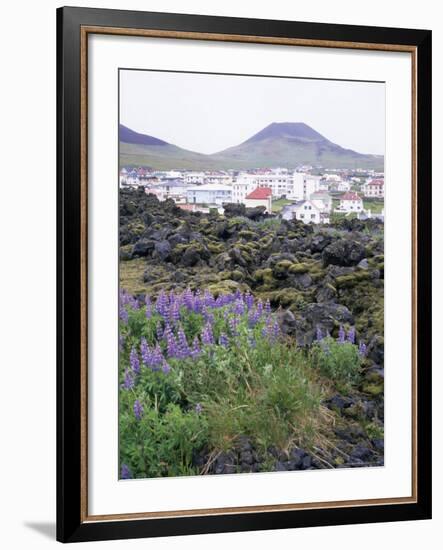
(71, 525)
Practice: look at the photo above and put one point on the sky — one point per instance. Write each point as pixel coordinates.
(207, 113)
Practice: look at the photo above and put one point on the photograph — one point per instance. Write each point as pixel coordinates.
(251, 273)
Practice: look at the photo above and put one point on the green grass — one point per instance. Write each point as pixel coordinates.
(278, 204)
(375, 205)
(255, 383)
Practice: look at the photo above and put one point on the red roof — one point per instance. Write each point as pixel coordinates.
(260, 193)
(350, 197)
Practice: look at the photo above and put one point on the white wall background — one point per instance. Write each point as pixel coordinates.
(27, 320)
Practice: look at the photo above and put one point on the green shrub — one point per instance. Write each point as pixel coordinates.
(339, 361)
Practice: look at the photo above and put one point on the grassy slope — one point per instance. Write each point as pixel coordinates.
(265, 153)
(278, 204)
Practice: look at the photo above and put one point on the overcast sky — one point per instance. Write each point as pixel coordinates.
(208, 113)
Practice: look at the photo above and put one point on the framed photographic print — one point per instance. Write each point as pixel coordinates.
(244, 274)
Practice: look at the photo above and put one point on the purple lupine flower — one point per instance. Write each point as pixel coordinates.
(145, 352)
(198, 408)
(124, 317)
(341, 335)
(195, 351)
(159, 331)
(188, 299)
(125, 472)
(208, 299)
(135, 304)
(223, 340)
(174, 312)
(220, 301)
(198, 303)
(138, 409)
(249, 300)
(253, 317)
(134, 361)
(351, 335)
(238, 295)
(124, 297)
(156, 358)
(318, 334)
(165, 367)
(207, 335)
(275, 329)
(128, 382)
(362, 348)
(239, 307)
(233, 323)
(208, 316)
(161, 304)
(148, 310)
(171, 342)
(259, 308)
(183, 347)
(268, 307)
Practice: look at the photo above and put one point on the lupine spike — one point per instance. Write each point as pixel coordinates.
(138, 410)
(134, 361)
(125, 472)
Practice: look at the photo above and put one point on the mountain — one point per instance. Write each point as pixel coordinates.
(283, 144)
(126, 135)
(288, 144)
(144, 150)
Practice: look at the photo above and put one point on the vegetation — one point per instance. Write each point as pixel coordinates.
(278, 204)
(246, 354)
(198, 373)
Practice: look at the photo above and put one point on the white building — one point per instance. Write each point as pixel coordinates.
(306, 211)
(209, 194)
(350, 202)
(169, 189)
(241, 188)
(217, 178)
(341, 186)
(279, 181)
(374, 188)
(130, 178)
(322, 199)
(193, 178)
(262, 196)
(303, 186)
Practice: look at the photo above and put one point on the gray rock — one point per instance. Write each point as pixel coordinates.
(343, 252)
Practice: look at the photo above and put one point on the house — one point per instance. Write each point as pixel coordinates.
(209, 194)
(242, 187)
(306, 211)
(193, 178)
(262, 196)
(374, 188)
(341, 186)
(170, 189)
(350, 202)
(218, 178)
(303, 185)
(323, 199)
(123, 177)
(279, 181)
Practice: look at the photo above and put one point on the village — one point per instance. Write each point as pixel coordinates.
(306, 193)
